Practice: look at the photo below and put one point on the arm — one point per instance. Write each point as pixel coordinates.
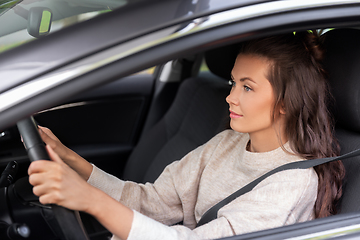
(143, 198)
(56, 183)
(161, 200)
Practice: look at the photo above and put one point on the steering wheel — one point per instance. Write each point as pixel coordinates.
(68, 220)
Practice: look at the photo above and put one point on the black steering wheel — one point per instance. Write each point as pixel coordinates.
(69, 221)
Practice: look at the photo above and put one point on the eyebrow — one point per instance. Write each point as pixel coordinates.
(243, 79)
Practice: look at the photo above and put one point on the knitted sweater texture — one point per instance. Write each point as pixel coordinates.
(188, 188)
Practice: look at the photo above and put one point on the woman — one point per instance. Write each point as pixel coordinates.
(278, 115)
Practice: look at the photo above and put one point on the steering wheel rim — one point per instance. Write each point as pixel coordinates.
(68, 220)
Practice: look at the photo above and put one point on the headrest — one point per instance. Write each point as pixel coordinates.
(342, 63)
(220, 61)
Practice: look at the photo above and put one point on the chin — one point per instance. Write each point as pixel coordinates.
(237, 128)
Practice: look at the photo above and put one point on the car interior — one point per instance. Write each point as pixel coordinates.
(134, 127)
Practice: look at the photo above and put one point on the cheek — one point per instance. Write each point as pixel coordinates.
(258, 107)
(266, 106)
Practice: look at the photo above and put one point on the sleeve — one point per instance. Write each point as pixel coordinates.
(284, 198)
(159, 201)
(163, 199)
(109, 184)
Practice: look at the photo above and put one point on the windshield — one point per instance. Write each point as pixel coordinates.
(27, 20)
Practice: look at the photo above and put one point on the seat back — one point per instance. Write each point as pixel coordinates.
(342, 62)
(198, 113)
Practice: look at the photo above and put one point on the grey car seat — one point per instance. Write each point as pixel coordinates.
(342, 62)
(198, 113)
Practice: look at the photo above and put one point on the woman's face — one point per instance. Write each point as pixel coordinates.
(251, 99)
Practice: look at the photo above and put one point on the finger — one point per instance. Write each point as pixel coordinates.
(48, 133)
(46, 138)
(53, 155)
(47, 187)
(41, 189)
(36, 179)
(45, 199)
(51, 198)
(46, 177)
(38, 166)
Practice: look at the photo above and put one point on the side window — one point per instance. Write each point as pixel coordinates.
(149, 71)
(204, 67)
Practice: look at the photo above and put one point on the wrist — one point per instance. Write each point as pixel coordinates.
(97, 202)
(72, 157)
(79, 164)
(111, 214)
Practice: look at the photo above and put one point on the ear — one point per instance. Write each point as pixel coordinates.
(282, 109)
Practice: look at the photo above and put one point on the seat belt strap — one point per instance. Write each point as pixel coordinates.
(211, 214)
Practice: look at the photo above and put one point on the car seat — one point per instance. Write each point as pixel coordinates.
(342, 63)
(198, 113)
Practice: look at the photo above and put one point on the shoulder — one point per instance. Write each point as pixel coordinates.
(289, 189)
(300, 186)
(282, 198)
(299, 183)
(302, 176)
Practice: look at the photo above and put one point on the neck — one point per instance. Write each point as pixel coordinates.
(267, 140)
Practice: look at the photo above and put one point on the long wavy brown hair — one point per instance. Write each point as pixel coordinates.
(301, 89)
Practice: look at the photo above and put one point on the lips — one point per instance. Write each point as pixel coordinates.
(235, 115)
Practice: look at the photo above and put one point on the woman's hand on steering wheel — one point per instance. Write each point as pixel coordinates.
(56, 183)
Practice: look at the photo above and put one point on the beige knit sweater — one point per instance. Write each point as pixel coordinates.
(188, 188)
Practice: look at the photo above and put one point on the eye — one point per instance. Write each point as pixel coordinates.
(232, 83)
(247, 88)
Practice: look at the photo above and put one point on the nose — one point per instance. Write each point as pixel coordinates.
(231, 99)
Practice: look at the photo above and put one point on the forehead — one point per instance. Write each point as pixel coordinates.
(247, 65)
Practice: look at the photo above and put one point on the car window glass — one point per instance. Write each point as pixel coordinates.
(20, 18)
(204, 67)
(149, 71)
(23, 18)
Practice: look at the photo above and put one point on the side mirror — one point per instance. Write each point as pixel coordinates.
(39, 21)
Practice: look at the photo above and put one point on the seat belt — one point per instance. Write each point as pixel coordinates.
(211, 214)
